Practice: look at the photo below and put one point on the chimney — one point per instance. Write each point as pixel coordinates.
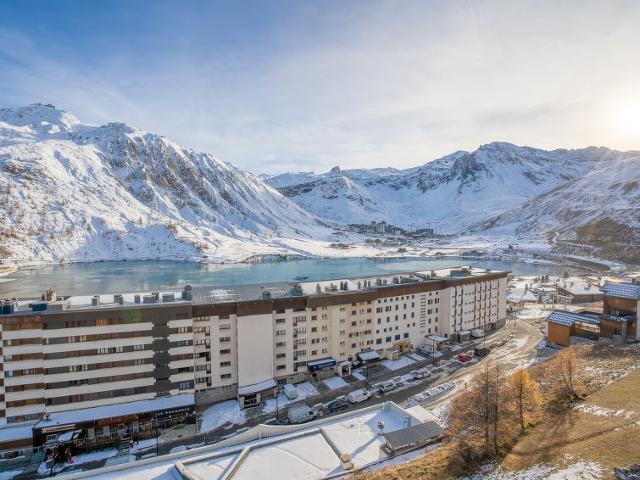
(95, 301)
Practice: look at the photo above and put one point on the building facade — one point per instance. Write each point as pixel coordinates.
(72, 353)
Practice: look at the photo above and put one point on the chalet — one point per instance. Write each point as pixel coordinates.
(617, 322)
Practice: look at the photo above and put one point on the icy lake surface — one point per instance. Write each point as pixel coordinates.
(114, 277)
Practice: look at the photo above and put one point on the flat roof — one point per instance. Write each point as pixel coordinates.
(203, 295)
(309, 451)
(11, 434)
(71, 417)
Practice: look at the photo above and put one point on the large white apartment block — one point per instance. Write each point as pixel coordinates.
(61, 354)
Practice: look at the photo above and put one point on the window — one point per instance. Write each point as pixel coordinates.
(225, 364)
(184, 386)
(224, 326)
(225, 351)
(225, 376)
(225, 339)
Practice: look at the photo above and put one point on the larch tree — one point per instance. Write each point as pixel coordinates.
(525, 395)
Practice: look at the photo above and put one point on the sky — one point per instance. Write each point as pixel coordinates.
(275, 86)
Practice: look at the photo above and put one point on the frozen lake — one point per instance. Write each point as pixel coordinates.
(114, 277)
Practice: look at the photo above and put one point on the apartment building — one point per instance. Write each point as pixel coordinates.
(70, 354)
(248, 339)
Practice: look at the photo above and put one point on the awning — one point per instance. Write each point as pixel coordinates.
(64, 420)
(320, 364)
(257, 387)
(370, 355)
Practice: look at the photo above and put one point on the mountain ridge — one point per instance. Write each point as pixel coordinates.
(77, 192)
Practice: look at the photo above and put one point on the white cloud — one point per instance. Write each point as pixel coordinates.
(388, 84)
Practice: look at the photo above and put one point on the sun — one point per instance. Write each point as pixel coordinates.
(625, 118)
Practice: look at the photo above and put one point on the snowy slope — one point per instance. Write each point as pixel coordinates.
(459, 190)
(76, 192)
(597, 214)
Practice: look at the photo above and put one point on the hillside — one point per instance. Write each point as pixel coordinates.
(585, 201)
(76, 192)
(583, 439)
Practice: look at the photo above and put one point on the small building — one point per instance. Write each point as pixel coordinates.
(579, 290)
(96, 427)
(562, 326)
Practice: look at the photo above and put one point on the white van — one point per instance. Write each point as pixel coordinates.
(290, 391)
(300, 413)
(358, 396)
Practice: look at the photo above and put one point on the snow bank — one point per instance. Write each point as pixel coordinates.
(335, 383)
(305, 390)
(222, 413)
(576, 471)
(398, 364)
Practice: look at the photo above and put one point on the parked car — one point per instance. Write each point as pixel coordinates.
(426, 349)
(359, 395)
(337, 405)
(481, 351)
(387, 386)
(290, 391)
(464, 357)
(300, 413)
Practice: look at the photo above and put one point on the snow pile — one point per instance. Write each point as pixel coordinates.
(576, 471)
(221, 414)
(305, 390)
(604, 412)
(358, 374)
(398, 364)
(335, 383)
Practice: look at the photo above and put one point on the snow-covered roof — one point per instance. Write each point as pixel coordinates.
(569, 318)
(257, 387)
(71, 417)
(578, 286)
(309, 451)
(520, 295)
(370, 355)
(10, 434)
(622, 290)
(437, 338)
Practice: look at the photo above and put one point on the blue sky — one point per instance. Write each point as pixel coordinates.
(275, 86)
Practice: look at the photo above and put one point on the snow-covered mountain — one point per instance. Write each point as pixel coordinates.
(582, 201)
(75, 192)
(459, 190)
(596, 214)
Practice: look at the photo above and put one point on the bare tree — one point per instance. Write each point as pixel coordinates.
(567, 367)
